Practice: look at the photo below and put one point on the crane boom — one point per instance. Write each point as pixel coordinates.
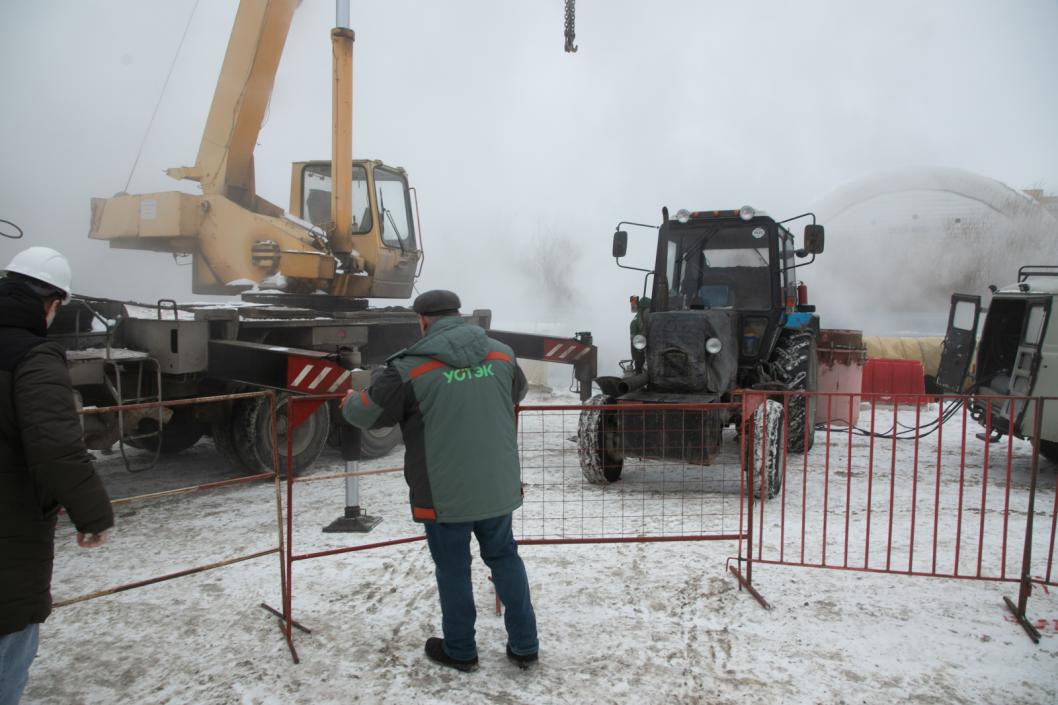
(355, 244)
(225, 156)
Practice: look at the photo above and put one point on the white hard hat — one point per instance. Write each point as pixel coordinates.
(46, 265)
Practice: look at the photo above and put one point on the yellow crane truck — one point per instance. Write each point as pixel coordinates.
(304, 275)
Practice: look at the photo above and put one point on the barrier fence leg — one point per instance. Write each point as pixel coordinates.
(1025, 584)
(746, 500)
(285, 620)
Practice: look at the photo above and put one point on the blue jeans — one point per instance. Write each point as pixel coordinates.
(450, 548)
(16, 654)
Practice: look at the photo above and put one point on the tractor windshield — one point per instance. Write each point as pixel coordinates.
(719, 267)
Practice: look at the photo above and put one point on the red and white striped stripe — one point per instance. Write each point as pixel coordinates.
(316, 376)
(564, 350)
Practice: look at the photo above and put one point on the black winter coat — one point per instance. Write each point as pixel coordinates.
(43, 461)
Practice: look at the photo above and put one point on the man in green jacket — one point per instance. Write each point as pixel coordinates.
(453, 393)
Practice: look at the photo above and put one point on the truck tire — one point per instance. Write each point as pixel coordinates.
(223, 432)
(796, 366)
(767, 424)
(597, 432)
(251, 435)
(180, 433)
(376, 442)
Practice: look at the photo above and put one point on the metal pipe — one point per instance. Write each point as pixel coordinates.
(342, 140)
(161, 578)
(341, 12)
(914, 485)
(630, 384)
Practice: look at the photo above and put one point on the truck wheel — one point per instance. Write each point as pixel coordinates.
(376, 442)
(796, 367)
(179, 433)
(1049, 449)
(767, 432)
(223, 432)
(597, 436)
(251, 435)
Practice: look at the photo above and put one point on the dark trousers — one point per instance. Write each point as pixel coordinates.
(450, 548)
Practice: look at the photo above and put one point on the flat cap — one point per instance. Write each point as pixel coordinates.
(436, 301)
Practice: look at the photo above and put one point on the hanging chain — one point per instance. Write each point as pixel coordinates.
(571, 20)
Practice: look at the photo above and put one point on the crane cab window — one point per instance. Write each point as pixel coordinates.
(316, 197)
(394, 209)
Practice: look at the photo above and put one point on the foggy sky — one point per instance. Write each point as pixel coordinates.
(515, 146)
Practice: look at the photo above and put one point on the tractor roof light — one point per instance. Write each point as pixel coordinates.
(683, 215)
(746, 213)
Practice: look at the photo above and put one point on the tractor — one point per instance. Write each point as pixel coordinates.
(726, 313)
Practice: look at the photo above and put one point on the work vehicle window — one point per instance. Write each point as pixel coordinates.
(1034, 324)
(722, 268)
(316, 197)
(394, 209)
(963, 318)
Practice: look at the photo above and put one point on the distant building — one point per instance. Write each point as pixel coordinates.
(899, 243)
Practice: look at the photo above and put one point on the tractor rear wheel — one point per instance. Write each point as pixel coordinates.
(796, 367)
(598, 435)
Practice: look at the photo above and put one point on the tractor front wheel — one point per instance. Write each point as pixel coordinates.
(598, 435)
(764, 458)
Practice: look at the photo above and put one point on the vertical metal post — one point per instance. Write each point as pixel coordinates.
(1026, 580)
(354, 519)
(342, 39)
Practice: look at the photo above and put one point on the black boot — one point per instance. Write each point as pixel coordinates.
(435, 652)
(524, 661)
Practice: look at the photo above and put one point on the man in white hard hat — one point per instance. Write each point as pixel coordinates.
(43, 461)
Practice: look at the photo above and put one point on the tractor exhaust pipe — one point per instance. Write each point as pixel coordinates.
(631, 384)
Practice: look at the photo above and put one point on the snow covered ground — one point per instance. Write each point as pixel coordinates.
(628, 623)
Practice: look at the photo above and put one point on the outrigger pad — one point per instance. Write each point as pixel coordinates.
(353, 522)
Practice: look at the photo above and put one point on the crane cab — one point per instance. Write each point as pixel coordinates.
(386, 252)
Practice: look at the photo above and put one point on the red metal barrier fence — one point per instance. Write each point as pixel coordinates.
(226, 561)
(914, 489)
(655, 499)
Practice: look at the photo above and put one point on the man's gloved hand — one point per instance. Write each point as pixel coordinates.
(350, 393)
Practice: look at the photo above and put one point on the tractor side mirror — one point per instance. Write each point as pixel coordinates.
(813, 239)
(620, 243)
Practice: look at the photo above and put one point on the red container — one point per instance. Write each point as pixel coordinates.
(896, 380)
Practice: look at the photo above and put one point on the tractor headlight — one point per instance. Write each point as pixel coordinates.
(713, 346)
(746, 212)
(639, 341)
